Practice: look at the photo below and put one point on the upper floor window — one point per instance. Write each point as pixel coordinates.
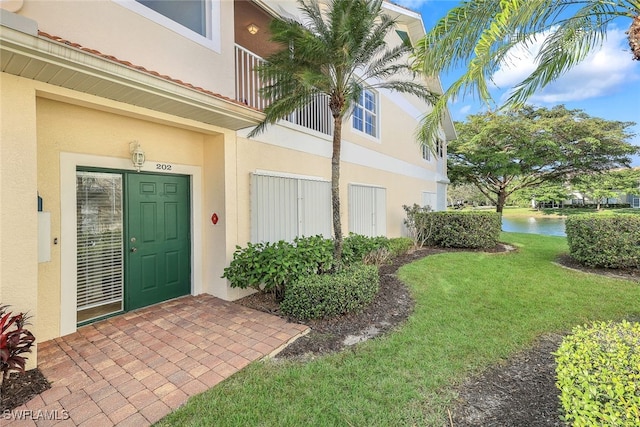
(440, 148)
(188, 13)
(426, 152)
(365, 113)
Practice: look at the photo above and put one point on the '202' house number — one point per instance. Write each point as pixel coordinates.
(163, 167)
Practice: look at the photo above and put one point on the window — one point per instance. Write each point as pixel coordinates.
(365, 113)
(283, 208)
(367, 210)
(426, 152)
(100, 244)
(189, 13)
(440, 148)
(404, 36)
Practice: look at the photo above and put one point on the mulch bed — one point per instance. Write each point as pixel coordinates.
(20, 388)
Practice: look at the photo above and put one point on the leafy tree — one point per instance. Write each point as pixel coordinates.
(607, 185)
(466, 193)
(334, 53)
(504, 152)
(546, 192)
(478, 35)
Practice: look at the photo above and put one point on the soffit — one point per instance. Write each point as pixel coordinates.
(58, 62)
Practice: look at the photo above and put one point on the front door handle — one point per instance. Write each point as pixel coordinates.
(134, 249)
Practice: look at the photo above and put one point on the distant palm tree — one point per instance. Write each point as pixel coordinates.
(479, 34)
(336, 52)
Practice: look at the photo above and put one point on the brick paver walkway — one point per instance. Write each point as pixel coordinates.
(134, 369)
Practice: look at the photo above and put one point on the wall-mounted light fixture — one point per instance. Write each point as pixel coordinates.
(253, 28)
(137, 155)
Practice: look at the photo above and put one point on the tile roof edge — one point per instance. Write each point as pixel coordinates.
(140, 68)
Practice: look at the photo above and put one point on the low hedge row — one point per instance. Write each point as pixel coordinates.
(598, 374)
(604, 241)
(328, 295)
(458, 229)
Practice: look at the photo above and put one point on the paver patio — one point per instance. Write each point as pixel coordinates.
(134, 369)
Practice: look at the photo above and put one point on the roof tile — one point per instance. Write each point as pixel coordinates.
(140, 68)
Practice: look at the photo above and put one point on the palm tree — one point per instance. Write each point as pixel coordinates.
(334, 53)
(479, 34)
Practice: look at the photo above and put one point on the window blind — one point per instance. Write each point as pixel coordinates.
(100, 242)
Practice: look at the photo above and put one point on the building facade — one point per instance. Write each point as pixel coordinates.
(86, 87)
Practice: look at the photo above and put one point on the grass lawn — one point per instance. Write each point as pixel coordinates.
(472, 310)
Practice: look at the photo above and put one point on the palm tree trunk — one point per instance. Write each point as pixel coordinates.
(634, 37)
(335, 191)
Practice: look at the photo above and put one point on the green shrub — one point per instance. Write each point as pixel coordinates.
(459, 229)
(328, 295)
(418, 224)
(399, 246)
(598, 375)
(604, 241)
(356, 246)
(268, 266)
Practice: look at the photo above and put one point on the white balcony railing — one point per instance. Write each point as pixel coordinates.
(315, 115)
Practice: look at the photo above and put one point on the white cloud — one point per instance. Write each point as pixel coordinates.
(464, 110)
(601, 73)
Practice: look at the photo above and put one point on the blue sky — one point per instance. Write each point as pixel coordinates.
(606, 84)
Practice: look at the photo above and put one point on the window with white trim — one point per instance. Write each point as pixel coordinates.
(283, 208)
(440, 148)
(367, 210)
(365, 113)
(426, 152)
(188, 13)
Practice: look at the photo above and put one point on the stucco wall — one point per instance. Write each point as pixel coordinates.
(68, 128)
(18, 206)
(108, 26)
(256, 154)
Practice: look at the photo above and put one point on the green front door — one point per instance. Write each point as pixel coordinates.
(157, 242)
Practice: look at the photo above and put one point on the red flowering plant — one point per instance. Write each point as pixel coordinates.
(15, 341)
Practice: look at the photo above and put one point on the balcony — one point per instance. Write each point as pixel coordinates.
(315, 116)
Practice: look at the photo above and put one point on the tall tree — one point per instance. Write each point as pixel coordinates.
(334, 52)
(546, 192)
(607, 185)
(479, 34)
(503, 152)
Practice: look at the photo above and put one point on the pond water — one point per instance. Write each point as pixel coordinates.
(532, 225)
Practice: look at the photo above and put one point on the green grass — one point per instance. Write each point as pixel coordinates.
(472, 310)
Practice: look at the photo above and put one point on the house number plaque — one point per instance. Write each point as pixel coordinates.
(163, 166)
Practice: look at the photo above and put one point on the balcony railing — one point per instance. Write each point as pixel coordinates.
(315, 115)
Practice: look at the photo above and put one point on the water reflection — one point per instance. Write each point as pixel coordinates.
(532, 225)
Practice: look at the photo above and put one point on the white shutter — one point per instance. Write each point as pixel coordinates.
(367, 210)
(283, 208)
(100, 242)
(315, 208)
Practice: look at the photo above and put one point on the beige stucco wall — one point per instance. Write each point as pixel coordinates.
(254, 155)
(108, 26)
(18, 209)
(66, 128)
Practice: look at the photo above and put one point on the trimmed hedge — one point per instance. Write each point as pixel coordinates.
(604, 241)
(598, 375)
(459, 229)
(328, 295)
(266, 266)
